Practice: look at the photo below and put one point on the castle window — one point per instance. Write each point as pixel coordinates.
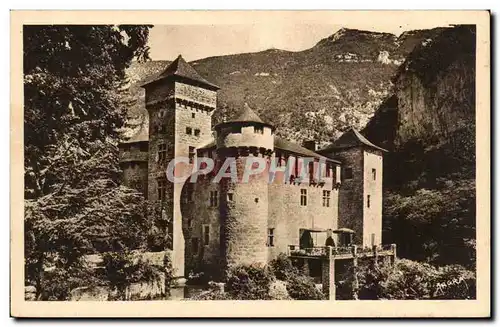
(192, 153)
(368, 201)
(195, 243)
(162, 189)
(259, 129)
(270, 237)
(328, 168)
(196, 132)
(311, 170)
(374, 174)
(189, 131)
(193, 115)
(303, 197)
(347, 173)
(326, 198)
(213, 198)
(206, 234)
(229, 196)
(162, 153)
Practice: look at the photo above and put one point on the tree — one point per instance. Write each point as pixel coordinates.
(74, 203)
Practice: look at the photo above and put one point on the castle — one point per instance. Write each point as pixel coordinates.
(229, 223)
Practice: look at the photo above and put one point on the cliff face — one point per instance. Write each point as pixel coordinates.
(428, 123)
(435, 87)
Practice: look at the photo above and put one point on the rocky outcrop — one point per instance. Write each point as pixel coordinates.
(435, 88)
(428, 123)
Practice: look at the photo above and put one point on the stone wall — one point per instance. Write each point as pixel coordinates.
(372, 217)
(195, 215)
(287, 216)
(135, 175)
(351, 192)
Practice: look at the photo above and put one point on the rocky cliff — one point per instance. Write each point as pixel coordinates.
(431, 113)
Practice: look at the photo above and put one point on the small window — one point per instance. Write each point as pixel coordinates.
(347, 173)
(374, 174)
(270, 237)
(193, 115)
(230, 196)
(213, 198)
(368, 201)
(189, 131)
(206, 234)
(259, 129)
(162, 153)
(190, 223)
(196, 132)
(162, 189)
(303, 197)
(326, 198)
(195, 243)
(373, 239)
(192, 154)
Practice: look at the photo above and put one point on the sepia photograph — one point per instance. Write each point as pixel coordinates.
(300, 159)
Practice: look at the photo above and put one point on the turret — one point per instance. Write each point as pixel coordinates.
(247, 140)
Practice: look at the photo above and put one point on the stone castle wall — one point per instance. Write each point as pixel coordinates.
(372, 218)
(351, 192)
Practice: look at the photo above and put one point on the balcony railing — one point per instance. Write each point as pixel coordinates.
(341, 251)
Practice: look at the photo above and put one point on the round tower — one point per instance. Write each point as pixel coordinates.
(245, 144)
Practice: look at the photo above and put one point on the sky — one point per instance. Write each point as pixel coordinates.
(201, 41)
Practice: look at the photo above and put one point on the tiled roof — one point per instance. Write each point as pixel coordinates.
(349, 139)
(286, 145)
(179, 67)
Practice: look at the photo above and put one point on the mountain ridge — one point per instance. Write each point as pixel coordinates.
(315, 93)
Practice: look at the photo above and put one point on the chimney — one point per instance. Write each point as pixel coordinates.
(310, 144)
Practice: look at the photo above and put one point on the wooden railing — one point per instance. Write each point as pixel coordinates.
(341, 251)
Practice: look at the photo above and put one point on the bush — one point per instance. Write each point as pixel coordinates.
(302, 287)
(409, 280)
(283, 268)
(249, 282)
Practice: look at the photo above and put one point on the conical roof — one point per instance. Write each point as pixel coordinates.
(245, 115)
(180, 68)
(349, 139)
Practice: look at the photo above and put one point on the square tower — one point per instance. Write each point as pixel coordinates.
(360, 195)
(180, 104)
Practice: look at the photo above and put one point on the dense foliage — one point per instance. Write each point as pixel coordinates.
(73, 109)
(411, 280)
(250, 282)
